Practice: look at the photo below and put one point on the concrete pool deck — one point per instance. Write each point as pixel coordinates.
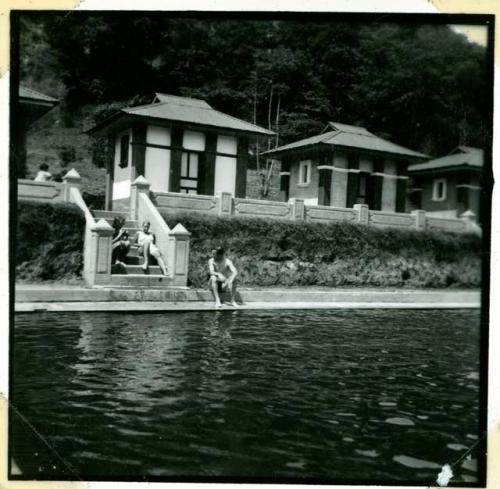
(60, 297)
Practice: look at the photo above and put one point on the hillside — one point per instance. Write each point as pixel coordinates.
(414, 84)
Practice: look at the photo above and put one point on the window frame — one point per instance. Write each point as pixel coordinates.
(435, 186)
(185, 189)
(304, 164)
(124, 163)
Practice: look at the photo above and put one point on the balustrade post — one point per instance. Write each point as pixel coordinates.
(420, 218)
(100, 252)
(139, 185)
(72, 179)
(298, 209)
(362, 213)
(225, 204)
(178, 254)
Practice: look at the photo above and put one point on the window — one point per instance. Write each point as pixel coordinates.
(305, 172)
(439, 190)
(189, 173)
(124, 144)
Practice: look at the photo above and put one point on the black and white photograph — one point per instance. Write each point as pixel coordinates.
(250, 247)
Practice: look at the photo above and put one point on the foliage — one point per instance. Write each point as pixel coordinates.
(415, 84)
(67, 155)
(334, 254)
(49, 241)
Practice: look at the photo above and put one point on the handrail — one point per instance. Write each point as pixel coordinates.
(147, 211)
(88, 267)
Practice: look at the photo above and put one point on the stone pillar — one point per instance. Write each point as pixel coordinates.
(420, 219)
(470, 223)
(178, 254)
(71, 179)
(298, 209)
(225, 204)
(139, 186)
(324, 185)
(362, 213)
(100, 253)
(284, 185)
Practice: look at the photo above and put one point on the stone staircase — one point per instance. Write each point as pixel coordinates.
(131, 274)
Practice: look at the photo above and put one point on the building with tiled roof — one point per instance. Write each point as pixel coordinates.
(178, 144)
(29, 106)
(450, 185)
(346, 165)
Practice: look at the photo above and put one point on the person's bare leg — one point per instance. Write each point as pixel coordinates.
(233, 295)
(145, 251)
(162, 265)
(215, 291)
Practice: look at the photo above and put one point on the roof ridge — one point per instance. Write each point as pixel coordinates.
(181, 97)
(137, 107)
(237, 119)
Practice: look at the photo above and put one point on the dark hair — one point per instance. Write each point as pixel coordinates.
(219, 251)
(44, 166)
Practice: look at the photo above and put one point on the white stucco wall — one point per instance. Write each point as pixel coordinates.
(389, 187)
(225, 174)
(365, 163)
(227, 144)
(193, 140)
(338, 194)
(121, 176)
(157, 160)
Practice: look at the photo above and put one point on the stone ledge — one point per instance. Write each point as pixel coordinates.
(47, 294)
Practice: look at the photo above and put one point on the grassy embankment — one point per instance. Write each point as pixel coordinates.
(288, 254)
(49, 242)
(49, 245)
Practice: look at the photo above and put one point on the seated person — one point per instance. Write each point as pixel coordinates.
(43, 175)
(120, 247)
(222, 275)
(147, 247)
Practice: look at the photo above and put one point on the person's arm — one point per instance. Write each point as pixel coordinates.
(118, 236)
(211, 268)
(234, 272)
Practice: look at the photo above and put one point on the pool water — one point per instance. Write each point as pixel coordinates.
(335, 396)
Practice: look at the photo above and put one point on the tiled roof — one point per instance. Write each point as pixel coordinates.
(184, 109)
(460, 156)
(25, 92)
(345, 135)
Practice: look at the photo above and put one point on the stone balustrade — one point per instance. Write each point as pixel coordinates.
(224, 205)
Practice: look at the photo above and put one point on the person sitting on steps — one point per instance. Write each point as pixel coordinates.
(120, 243)
(147, 247)
(222, 275)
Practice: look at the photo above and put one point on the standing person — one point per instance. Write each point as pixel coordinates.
(43, 174)
(222, 275)
(147, 247)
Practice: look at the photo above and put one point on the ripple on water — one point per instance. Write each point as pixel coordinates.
(456, 446)
(367, 453)
(387, 403)
(400, 421)
(415, 463)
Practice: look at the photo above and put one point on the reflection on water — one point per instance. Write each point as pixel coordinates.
(336, 395)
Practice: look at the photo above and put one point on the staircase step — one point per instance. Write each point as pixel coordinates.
(102, 214)
(139, 280)
(135, 269)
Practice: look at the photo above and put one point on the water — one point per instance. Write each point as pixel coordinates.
(379, 396)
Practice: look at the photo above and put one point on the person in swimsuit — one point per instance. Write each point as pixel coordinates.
(120, 243)
(43, 175)
(147, 247)
(222, 275)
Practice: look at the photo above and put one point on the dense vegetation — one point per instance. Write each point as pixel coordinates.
(283, 253)
(423, 86)
(49, 241)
